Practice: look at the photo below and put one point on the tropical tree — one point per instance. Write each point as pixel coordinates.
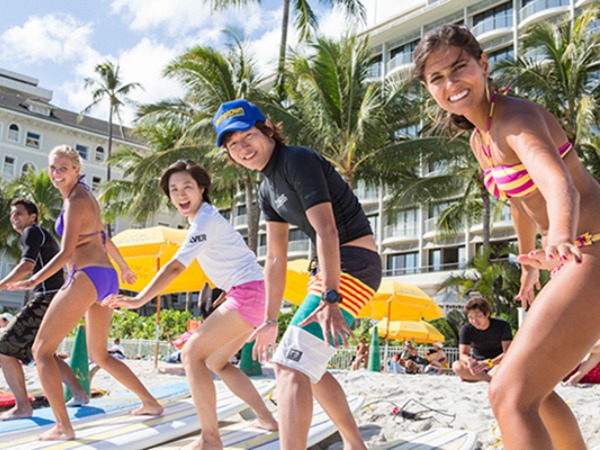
(495, 279)
(8, 238)
(335, 108)
(109, 86)
(305, 20)
(559, 69)
(182, 127)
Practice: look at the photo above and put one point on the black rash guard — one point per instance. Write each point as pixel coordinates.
(298, 178)
(39, 247)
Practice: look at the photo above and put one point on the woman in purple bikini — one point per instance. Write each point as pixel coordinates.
(85, 249)
(527, 159)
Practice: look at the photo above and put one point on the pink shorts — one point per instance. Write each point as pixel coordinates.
(249, 300)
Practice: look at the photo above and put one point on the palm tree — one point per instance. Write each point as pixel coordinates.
(563, 74)
(38, 188)
(305, 20)
(209, 78)
(109, 86)
(335, 108)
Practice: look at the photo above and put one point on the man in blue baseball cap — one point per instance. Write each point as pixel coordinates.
(237, 115)
(302, 188)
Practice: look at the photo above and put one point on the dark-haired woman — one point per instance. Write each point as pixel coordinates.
(227, 261)
(528, 160)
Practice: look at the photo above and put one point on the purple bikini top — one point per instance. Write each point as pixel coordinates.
(59, 226)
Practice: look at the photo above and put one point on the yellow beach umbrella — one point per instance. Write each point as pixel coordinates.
(296, 281)
(401, 301)
(404, 330)
(146, 251)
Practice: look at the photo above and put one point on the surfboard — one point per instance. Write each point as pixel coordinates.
(7, 399)
(141, 432)
(435, 439)
(243, 435)
(103, 405)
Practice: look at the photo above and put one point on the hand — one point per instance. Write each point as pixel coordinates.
(122, 301)
(265, 336)
(128, 276)
(551, 256)
(332, 322)
(476, 367)
(530, 280)
(24, 285)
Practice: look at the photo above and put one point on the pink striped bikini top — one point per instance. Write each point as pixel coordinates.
(512, 180)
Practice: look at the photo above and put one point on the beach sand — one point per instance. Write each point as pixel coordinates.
(453, 404)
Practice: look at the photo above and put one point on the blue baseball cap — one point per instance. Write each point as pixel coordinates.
(236, 115)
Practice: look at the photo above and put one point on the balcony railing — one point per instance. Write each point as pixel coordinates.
(401, 231)
(538, 6)
(366, 193)
(400, 59)
(493, 23)
(293, 247)
(240, 221)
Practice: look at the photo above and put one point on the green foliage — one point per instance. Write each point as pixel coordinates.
(284, 320)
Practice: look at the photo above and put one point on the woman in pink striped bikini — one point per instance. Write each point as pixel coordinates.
(528, 160)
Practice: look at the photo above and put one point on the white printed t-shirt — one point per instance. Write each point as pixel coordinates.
(220, 250)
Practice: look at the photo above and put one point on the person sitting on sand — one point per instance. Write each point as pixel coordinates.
(488, 337)
(438, 360)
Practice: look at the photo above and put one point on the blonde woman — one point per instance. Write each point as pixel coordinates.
(85, 249)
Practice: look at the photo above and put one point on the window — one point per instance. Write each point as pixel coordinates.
(403, 54)
(499, 55)
(33, 139)
(402, 264)
(96, 183)
(9, 166)
(26, 168)
(493, 18)
(82, 150)
(375, 68)
(100, 154)
(13, 132)
(447, 258)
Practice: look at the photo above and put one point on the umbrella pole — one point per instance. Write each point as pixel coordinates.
(387, 332)
(157, 332)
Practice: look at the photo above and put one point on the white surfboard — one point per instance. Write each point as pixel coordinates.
(243, 435)
(142, 432)
(435, 439)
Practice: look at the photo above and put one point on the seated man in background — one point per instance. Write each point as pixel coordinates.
(489, 338)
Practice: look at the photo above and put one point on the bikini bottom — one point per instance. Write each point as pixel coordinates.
(584, 240)
(104, 279)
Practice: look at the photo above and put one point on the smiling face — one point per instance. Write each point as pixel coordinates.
(455, 79)
(478, 319)
(63, 173)
(185, 194)
(250, 148)
(20, 218)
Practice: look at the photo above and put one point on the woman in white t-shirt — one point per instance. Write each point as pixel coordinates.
(229, 263)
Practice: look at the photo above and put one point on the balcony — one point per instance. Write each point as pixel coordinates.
(399, 61)
(494, 26)
(400, 231)
(294, 248)
(539, 6)
(240, 221)
(366, 194)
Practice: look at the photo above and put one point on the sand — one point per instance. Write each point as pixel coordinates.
(453, 404)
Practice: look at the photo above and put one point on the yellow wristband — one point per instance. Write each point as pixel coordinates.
(490, 363)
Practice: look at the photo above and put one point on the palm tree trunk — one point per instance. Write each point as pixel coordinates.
(253, 214)
(485, 198)
(282, 48)
(109, 153)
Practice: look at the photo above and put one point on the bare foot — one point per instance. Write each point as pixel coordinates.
(266, 423)
(17, 413)
(201, 444)
(58, 433)
(148, 409)
(78, 400)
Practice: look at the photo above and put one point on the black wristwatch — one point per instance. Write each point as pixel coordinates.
(331, 296)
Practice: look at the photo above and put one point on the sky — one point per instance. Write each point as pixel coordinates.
(59, 42)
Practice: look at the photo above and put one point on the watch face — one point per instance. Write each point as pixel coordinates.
(332, 296)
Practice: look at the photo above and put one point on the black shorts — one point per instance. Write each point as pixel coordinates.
(20, 333)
